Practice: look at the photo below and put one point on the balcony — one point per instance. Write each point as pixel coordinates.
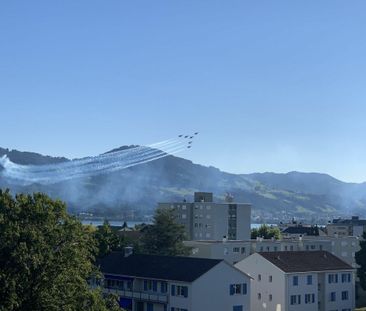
(139, 295)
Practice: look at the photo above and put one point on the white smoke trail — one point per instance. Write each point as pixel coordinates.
(90, 166)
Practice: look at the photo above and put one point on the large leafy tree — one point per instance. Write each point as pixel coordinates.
(361, 261)
(107, 240)
(165, 236)
(46, 256)
(266, 232)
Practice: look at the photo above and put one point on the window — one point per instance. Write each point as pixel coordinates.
(238, 308)
(238, 289)
(295, 299)
(184, 207)
(275, 248)
(236, 249)
(243, 250)
(178, 290)
(244, 289)
(291, 248)
(309, 279)
(295, 280)
(259, 277)
(332, 278)
(150, 285)
(309, 298)
(321, 247)
(259, 296)
(345, 295)
(163, 287)
(270, 278)
(332, 296)
(149, 307)
(270, 297)
(346, 277)
(128, 285)
(285, 247)
(184, 216)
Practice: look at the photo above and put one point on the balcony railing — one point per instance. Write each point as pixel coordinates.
(139, 295)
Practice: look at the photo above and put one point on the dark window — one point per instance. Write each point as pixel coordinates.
(309, 279)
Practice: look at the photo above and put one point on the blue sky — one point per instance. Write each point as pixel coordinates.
(271, 85)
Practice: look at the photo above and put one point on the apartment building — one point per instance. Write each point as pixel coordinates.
(233, 251)
(294, 281)
(347, 227)
(344, 247)
(164, 283)
(204, 219)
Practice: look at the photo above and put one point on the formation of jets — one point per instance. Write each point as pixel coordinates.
(189, 137)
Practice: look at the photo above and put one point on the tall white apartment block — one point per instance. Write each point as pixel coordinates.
(204, 219)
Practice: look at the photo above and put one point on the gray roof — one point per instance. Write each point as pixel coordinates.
(186, 269)
(305, 261)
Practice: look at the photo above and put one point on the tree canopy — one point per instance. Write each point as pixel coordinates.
(165, 236)
(46, 257)
(107, 240)
(266, 232)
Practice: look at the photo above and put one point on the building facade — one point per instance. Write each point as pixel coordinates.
(234, 251)
(204, 219)
(347, 227)
(294, 281)
(164, 283)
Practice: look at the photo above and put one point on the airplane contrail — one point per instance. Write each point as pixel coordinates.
(90, 166)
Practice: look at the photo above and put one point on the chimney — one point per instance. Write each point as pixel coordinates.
(128, 250)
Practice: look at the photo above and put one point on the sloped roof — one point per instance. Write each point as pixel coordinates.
(305, 261)
(186, 269)
(302, 230)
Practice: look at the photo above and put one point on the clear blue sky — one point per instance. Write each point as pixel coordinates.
(271, 85)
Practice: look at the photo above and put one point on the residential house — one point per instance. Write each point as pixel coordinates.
(165, 283)
(294, 281)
